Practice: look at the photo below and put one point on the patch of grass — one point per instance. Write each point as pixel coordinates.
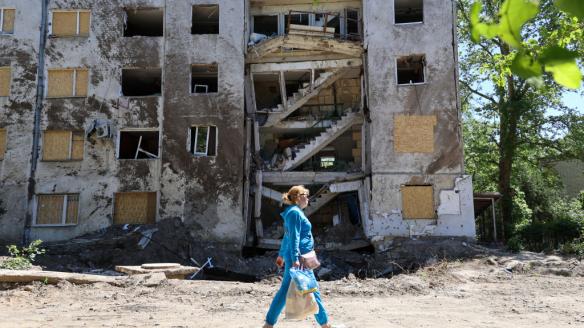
(22, 257)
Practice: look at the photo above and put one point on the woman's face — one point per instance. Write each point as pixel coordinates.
(303, 200)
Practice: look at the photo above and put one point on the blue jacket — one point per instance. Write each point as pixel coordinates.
(297, 234)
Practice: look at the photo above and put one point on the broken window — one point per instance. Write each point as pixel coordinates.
(2, 143)
(330, 20)
(418, 202)
(204, 78)
(68, 82)
(352, 21)
(61, 145)
(138, 145)
(5, 81)
(144, 22)
(57, 209)
(138, 82)
(265, 24)
(203, 140)
(409, 11)
(7, 16)
(67, 23)
(296, 19)
(410, 69)
(135, 208)
(267, 89)
(205, 19)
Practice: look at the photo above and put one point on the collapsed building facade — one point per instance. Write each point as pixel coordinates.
(137, 111)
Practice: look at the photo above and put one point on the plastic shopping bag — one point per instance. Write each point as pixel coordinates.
(298, 305)
(304, 279)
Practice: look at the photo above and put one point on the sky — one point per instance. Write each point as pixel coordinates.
(574, 100)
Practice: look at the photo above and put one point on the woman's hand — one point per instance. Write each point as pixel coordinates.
(296, 264)
(279, 262)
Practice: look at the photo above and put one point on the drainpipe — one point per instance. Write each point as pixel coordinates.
(40, 91)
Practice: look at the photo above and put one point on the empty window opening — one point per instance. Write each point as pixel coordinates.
(409, 11)
(296, 81)
(265, 24)
(410, 69)
(57, 209)
(330, 20)
(61, 145)
(353, 23)
(204, 78)
(267, 91)
(5, 81)
(2, 143)
(138, 82)
(68, 82)
(205, 19)
(138, 145)
(68, 23)
(135, 207)
(7, 16)
(144, 22)
(203, 141)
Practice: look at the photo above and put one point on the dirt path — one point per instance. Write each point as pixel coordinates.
(470, 294)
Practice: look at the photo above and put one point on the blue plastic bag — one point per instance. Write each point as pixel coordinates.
(304, 280)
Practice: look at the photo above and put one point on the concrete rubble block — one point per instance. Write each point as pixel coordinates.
(170, 270)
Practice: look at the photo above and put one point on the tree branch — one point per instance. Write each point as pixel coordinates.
(478, 93)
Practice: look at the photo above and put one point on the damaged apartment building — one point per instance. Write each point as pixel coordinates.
(137, 111)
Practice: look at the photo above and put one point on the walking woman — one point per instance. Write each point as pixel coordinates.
(297, 240)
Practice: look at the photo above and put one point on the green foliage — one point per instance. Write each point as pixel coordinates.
(22, 258)
(575, 247)
(531, 59)
(514, 244)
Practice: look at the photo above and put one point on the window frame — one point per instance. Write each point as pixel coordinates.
(409, 23)
(424, 71)
(70, 154)
(63, 214)
(78, 27)
(73, 81)
(192, 88)
(9, 67)
(2, 9)
(119, 141)
(192, 145)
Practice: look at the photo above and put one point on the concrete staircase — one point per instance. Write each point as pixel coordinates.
(303, 152)
(319, 201)
(303, 95)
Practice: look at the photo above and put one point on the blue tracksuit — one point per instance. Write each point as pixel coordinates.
(297, 240)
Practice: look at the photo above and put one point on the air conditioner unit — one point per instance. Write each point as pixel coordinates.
(102, 131)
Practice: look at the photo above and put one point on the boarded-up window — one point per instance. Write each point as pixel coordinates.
(135, 208)
(57, 209)
(2, 143)
(414, 133)
(70, 23)
(417, 202)
(7, 20)
(5, 81)
(69, 82)
(61, 145)
(203, 141)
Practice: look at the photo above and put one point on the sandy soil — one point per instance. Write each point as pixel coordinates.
(502, 292)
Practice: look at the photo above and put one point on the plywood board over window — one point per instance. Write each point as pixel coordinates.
(135, 208)
(68, 82)
(68, 23)
(414, 133)
(2, 143)
(417, 202)
(5, 81)
(57, 209)
(7, 16)
(61, 145)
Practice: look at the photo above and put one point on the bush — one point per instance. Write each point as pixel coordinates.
(22, 258)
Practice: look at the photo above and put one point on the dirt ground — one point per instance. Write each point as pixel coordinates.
(525, 290)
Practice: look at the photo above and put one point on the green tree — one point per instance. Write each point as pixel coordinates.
(509, 114)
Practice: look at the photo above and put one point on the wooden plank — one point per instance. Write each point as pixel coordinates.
(414, 133)
(56, 145)
(2, 143)
(64, 23)
(50, 209)
(5, 79)
(78, 145)
(52, 277)
(134, 208)
(81, 83)
(60, 83)
(418, 202)
(309, 28)
(306, 65)
(8, 22)
(72, 209)
(84, 21)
